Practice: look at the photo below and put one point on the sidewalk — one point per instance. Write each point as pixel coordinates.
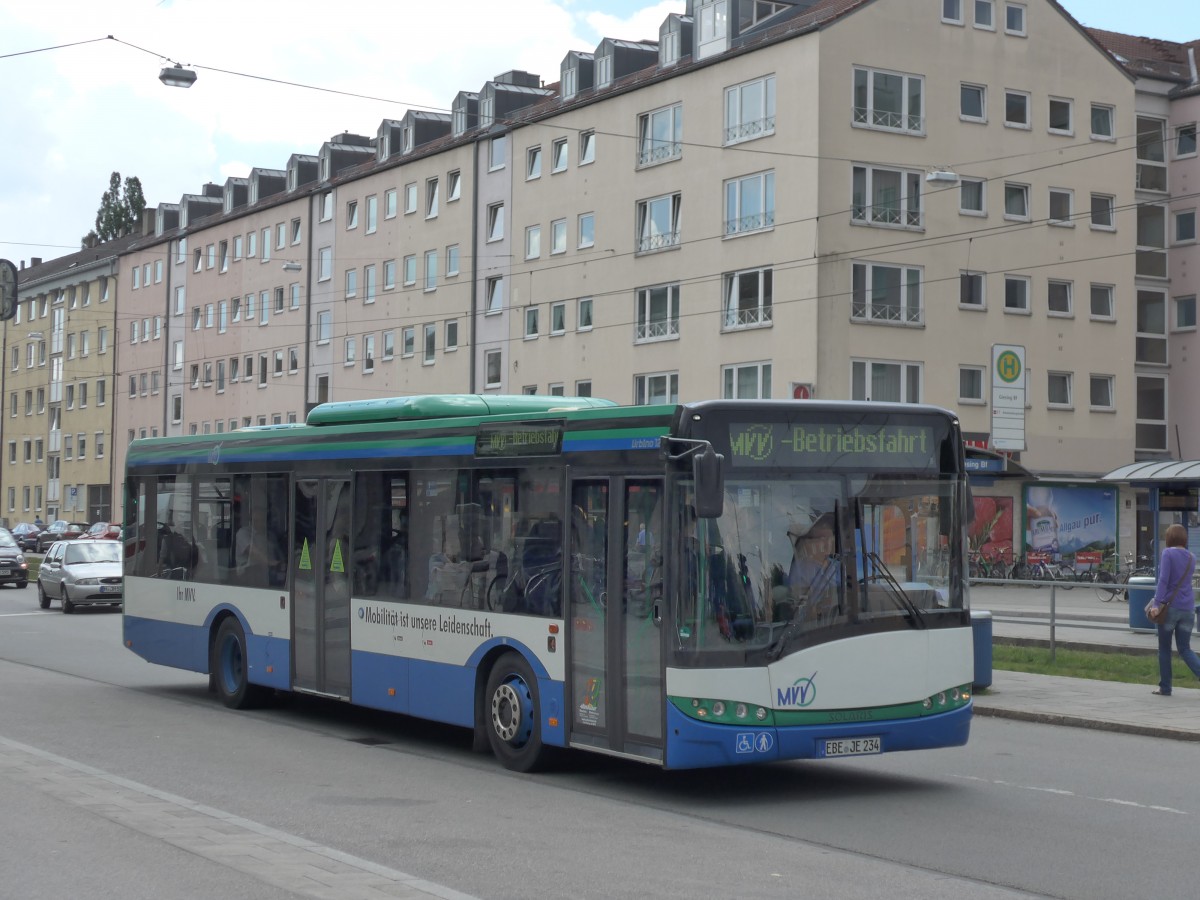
(1022, 615)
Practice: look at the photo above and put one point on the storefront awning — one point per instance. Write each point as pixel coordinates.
(1157, 471)
(996, 465)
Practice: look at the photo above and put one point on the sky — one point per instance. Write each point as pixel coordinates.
(83, 106)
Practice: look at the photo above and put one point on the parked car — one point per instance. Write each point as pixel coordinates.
(60, 530)
(26, 535)
(102, 531)
(81, 573)
(13, 567)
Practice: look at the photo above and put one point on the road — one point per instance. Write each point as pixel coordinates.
(128, 780)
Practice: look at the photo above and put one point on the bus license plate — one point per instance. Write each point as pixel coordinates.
(853, 747)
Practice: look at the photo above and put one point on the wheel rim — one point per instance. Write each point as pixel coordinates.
(512, 711)
(232, 664)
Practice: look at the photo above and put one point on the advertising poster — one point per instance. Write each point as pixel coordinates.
(991, 534)
(1077, 525)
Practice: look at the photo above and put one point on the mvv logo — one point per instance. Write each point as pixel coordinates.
(756, 442)
(185, 594)
(802, 693)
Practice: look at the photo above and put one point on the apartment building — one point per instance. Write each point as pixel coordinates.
(828, 199)
(58, 388)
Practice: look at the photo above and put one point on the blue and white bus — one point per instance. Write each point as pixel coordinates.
(705, 584)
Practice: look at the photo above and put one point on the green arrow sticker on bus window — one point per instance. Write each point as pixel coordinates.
(305, 558)
(335, 564)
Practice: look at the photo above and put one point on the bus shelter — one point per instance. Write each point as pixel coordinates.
(1168, 494)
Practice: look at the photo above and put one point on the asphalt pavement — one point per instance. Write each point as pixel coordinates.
(1081, 620)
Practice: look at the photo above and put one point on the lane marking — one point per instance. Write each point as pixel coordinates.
(1065, 793)
(272, 856)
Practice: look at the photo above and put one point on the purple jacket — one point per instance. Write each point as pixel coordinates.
(1175, 569)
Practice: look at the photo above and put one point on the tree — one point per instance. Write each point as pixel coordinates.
(120, 209)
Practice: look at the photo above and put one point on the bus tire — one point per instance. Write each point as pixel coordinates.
(511, 708)
(230, 667)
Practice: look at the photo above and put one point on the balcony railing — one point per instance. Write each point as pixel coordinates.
(888, 215)
(649, 242)
(659, 151)
(892, 121)
(656, 330)
(744, 131)
(756, 222)
(747, 318)
(886, 312)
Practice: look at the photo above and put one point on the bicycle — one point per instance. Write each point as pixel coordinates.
(1114, 585)
(1040, 569)
(993, 567)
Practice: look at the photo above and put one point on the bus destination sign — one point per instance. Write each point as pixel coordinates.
(516, 439)
(834, 445)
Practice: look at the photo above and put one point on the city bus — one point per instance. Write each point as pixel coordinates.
(689, 585)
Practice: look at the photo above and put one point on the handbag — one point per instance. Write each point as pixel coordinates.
(1158, 615)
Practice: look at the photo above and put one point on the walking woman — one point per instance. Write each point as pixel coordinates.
(1175, 590)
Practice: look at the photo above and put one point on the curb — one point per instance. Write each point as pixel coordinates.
(1091, 724)
(1044, 644)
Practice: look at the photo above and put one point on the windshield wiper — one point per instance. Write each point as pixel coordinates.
(895, 591)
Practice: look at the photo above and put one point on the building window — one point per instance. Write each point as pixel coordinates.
(558, 236)
(1059, 298)
(453, 185)
(497, 152)
(587, 230)
(432, 198)
(1150, 428)
(430, 345)
(492, 368)
(1151, 159)
(559, 155)
(451, 335)
(657, 313)
(1151, 257)
(888, 100)
(584, 320)
(1185, 140)
(660, 135)
(533, 241)
(558, 318)
(531, 322)
(324, 265)
(1102, 122)
(410, 270)
(1100, 392)
(1016, 109)
(750, 110)
(1014, 19)
(368, 353)
(389, 204)
(658, 223)
(494, 294)
(1058, 389)
(1062, 116)
(750, 203)
(889, 197)
(410, 198)
(350, 351)
(749, 381)
(324, 327)
(972, 103)
(587, 147)
(985, 15)
(1016, 293)
(1150, 343)
(1102, 212)
(1016, 201)
(970, 384)
(431, 270)
(886, 293)
(747, 298)
(495, 222)
(1185, 227)
(1185, 313)
(1102, 301)
(656, 387)
(533, 163)
(1062, 207)
(881, 380)
(451, 260)
(389, 275)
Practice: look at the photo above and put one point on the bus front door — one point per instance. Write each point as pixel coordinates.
(321, 571)
(613, 594)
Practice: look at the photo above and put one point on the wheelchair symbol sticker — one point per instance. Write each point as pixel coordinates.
(750, 742)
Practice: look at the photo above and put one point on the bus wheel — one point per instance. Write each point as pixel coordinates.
(230, 668)
(512, 711)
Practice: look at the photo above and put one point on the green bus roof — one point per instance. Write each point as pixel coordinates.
(443, 406)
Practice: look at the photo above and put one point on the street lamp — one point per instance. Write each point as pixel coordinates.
(177, 76)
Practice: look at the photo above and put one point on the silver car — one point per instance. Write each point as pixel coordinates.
(81, 573)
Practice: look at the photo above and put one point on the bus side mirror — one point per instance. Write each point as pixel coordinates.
(710, 483)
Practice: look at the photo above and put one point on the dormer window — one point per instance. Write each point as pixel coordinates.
(406, 139)
(668, 48)
(459, 122)
(604, 71)
(713, 20)
(570, 83)
(325, 168)
(487, 111)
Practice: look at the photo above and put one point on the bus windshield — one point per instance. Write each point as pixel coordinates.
(794, 560)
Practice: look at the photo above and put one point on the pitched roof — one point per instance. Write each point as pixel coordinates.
(1151, 57)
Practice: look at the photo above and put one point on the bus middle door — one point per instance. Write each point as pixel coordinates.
(322, 568)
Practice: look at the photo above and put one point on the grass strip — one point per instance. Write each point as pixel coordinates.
(1129, 668)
